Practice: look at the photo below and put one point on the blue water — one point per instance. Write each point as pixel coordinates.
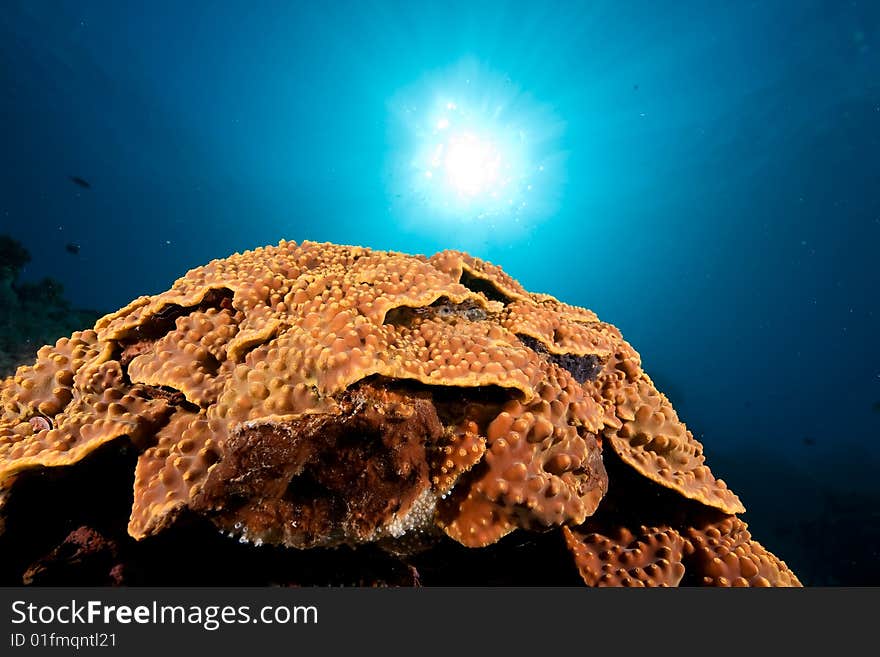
(711, 186)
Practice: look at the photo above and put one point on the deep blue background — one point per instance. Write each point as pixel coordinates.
(721, 203)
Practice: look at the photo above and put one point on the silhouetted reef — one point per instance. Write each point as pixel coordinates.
(31, 313)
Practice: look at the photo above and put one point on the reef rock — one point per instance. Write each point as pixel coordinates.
(318, 396)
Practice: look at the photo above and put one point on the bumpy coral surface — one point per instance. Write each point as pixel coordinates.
(315, 395)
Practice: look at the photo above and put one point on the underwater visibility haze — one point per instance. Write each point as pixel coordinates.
(704, 176)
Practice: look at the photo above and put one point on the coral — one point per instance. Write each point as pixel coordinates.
(315, 395)
(85, 557)
(724, 554)
(718, 554)
(13, 255)
(653, 557)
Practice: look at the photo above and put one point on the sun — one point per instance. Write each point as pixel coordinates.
(470, 148)
(467, 162)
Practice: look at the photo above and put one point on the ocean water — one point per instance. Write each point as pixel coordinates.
(705, 176)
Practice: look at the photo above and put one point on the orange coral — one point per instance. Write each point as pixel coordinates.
(724, 554)
(542, 467)
(719, 553)
(650, 558)
(315, 394)
(461, 449)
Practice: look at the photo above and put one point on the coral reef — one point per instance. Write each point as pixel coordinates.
(31, 313)
(322, 403)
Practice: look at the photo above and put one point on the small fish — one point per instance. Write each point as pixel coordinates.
(809, 442)
(40, 423)
(635, 87)
(82, 182)
(876, 407)
(72, 247)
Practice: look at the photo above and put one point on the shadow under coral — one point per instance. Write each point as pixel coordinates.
(67, 526)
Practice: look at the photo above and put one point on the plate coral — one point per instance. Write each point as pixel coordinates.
(315, 397)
